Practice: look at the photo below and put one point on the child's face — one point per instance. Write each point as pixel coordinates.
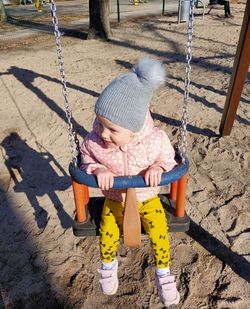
(112, 134)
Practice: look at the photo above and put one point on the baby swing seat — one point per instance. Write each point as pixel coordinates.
(88, 210)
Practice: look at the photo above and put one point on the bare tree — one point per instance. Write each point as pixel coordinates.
(3, 16)
(99, 24)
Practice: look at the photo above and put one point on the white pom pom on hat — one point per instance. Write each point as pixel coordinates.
(125, 101)
(152, 71)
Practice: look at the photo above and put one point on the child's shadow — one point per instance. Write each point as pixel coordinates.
(38, 177)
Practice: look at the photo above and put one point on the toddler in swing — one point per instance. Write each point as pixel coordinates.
(125, 142)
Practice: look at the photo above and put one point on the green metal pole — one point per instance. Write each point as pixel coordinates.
(118, 10)
(3, 16)
(163, 7)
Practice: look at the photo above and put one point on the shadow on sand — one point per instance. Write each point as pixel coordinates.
(70, 32)
(36, 174)
(23, 284)
(235, 261)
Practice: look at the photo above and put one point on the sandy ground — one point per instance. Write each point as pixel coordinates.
(42, 265)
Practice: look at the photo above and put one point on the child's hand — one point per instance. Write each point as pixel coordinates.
(153, 176)
(105, 178)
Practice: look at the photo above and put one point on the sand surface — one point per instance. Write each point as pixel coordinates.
(42, 265)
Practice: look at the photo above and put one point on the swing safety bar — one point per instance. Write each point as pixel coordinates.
(123, 182)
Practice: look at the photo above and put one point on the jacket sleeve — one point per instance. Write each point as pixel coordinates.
(166, 155)
(88, 161)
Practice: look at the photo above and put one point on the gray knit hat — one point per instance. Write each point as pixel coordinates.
(125, 101)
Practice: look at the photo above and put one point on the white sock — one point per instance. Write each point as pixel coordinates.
(162, 272)
(108, 265)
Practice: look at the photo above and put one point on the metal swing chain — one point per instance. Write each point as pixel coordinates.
(73, 140)
(182, 136)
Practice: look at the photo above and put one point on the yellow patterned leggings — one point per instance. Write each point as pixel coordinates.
(154, 223)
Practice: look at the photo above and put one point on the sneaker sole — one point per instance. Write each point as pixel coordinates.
(113, 291)
(172, 304)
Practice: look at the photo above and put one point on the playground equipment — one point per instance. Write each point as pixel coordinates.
(183, 8)
(238, 77)
(86, 222)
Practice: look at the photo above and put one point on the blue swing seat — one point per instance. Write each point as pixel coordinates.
(91, 226)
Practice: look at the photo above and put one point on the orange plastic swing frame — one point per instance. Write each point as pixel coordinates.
(177, 193)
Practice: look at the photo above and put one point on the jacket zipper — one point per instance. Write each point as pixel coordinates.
(125, 162)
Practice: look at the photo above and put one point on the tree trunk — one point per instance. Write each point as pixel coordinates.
(99, 25)
(3, 16)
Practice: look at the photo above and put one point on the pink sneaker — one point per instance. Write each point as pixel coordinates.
(167, 290)
(109, 280)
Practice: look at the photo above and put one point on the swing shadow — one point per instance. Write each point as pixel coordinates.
(19, 271)
(38, 177)
(172, 57)
(156, 30)
(206, 102)
(177, 123)
(27, 77)
(218, 91)
(235, 261)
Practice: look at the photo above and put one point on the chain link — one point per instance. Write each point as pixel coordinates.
(182, 136)
(74, 143)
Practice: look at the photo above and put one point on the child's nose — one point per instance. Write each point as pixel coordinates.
(105, 134)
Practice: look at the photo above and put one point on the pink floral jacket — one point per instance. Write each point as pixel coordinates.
(149, 147)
